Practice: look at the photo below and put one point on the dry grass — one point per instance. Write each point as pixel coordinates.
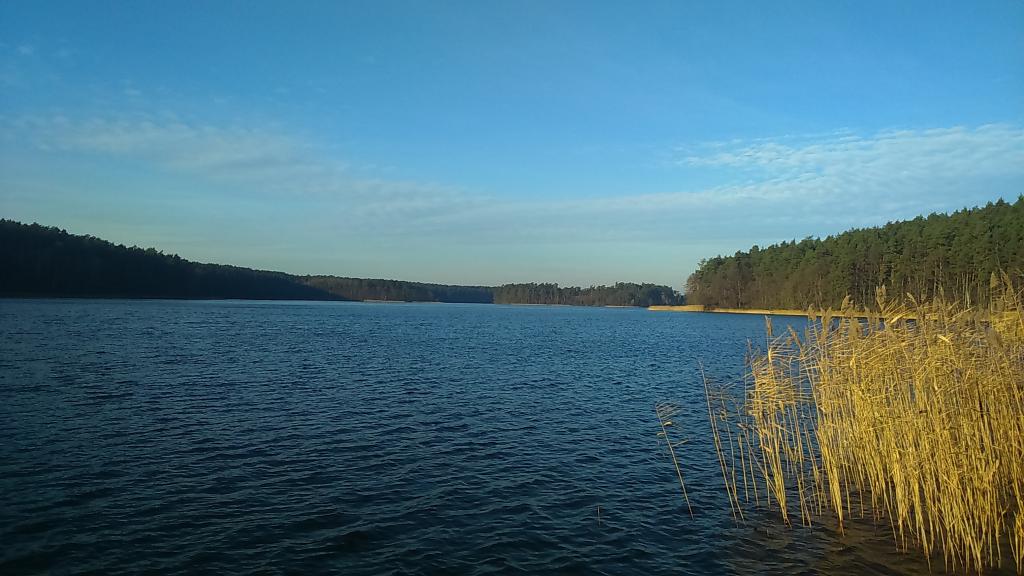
(665, 412)
(914, 414)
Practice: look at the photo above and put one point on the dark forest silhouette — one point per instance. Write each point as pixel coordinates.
(46, 261)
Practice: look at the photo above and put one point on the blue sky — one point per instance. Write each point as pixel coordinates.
(491, 142)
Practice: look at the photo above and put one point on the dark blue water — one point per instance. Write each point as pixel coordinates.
(279, 438)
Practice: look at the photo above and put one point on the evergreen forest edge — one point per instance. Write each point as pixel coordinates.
(949, 255)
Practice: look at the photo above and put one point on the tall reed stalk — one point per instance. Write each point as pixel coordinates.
(914, 414)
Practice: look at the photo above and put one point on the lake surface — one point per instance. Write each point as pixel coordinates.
(292, 438)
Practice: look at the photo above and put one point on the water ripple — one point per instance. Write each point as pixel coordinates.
(245, 437)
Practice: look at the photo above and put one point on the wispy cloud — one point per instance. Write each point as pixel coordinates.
(208, 150)
(796, 186)
(258, 161)
(770, 189)
(903, 162)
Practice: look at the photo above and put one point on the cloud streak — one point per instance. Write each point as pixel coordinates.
(254, 162)
(233, 153)
(771, 189)
(892, 162)
(790, 187)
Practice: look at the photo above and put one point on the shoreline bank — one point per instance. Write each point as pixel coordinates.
(755, 311)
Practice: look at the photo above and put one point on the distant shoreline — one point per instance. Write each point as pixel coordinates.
(339, 300)
(48, 262)
(755, 311)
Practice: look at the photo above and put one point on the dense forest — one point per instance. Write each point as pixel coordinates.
(953, 255)
(621, 294)
(47, 261)
(389, 290)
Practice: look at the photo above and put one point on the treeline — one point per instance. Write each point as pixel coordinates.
(46, 261)
(371, 289)
(953, 255)
(621, 294)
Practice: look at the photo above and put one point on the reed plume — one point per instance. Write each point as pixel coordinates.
(913, 414)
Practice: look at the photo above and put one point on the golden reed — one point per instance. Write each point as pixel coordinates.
(914, 415)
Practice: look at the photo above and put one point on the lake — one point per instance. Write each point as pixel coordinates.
(295, 437)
